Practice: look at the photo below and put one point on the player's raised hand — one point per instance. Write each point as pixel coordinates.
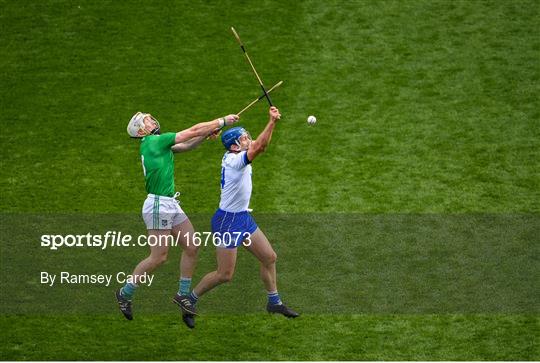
(274, 113)
(231, 119)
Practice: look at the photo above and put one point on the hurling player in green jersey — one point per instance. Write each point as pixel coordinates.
(161, 210)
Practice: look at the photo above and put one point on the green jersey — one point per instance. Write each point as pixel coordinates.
(158, 163)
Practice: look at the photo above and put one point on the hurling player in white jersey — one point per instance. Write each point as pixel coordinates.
(233, 223)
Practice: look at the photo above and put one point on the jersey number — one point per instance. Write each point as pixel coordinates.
(143, 168)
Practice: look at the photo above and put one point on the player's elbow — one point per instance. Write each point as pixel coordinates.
(179, 148)
(259, 148)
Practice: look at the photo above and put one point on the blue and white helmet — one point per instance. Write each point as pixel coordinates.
(232, 136)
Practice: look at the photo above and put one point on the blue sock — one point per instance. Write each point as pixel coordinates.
(193, 297)
(128, 290)
(183, 286)
(273, 298)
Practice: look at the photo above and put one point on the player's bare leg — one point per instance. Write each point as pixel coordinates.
(226, 263)
(158, 255)
(183, 233)
(261, 248)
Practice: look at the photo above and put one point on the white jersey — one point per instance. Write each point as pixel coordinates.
(235, 182)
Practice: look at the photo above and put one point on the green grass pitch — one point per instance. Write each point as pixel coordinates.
(406, 221)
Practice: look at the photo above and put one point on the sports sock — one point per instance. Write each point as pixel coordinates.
(183, 286)
(193, 297)
(128, 290)
(273, 298)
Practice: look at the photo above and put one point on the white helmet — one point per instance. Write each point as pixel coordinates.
(136, 127)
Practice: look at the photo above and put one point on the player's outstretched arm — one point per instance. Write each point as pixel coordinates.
(204, 128)
(259, 145)
(188, 145)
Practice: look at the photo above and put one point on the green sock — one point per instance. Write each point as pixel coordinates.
(128, 290)
(184, 285)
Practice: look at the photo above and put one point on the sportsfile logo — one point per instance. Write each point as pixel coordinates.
(119, 239)
(109, 239)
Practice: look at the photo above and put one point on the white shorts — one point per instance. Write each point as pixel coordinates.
(161, 212)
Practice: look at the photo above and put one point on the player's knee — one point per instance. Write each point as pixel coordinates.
(270, 259)
(159, 259)
(225, 276)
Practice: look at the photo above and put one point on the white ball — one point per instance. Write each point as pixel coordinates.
(311, 120)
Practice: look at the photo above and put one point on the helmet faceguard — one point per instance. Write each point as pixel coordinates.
(137, 128)
(232, 136)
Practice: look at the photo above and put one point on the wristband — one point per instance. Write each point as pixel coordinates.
(222, 122)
